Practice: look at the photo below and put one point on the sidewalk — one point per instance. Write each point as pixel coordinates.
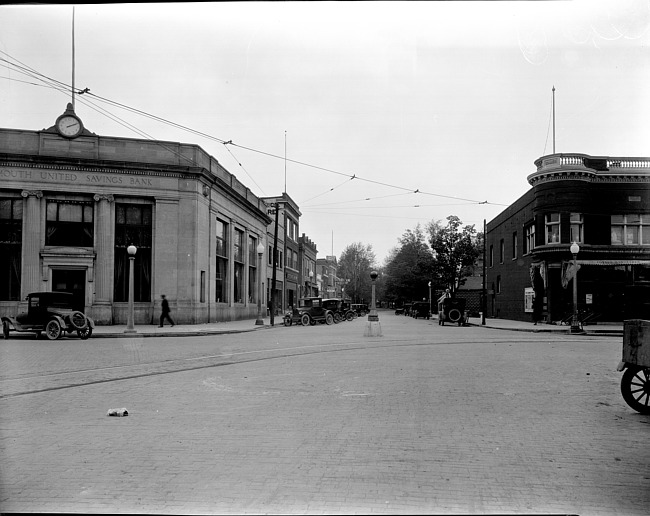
(246, 325)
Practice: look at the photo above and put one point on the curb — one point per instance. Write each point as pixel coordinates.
(598, 333)
(192, 333)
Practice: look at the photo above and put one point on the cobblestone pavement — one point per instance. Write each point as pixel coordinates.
(321, 420)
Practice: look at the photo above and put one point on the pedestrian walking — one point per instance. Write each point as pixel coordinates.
(165, 312)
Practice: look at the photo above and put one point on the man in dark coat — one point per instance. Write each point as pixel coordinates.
(165, 312)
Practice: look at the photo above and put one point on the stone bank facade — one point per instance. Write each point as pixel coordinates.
(70, 207)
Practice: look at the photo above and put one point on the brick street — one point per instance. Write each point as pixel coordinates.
(321, 420)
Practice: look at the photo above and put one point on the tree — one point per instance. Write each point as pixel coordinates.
(456, 248)
(356, 262)
(409, 268)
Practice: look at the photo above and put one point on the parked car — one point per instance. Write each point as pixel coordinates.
(312, 311)
(452, 310)
(420, 309)
(52, 313)
(339, 309)
(360, 308)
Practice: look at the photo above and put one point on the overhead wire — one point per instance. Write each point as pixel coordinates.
(61, 86)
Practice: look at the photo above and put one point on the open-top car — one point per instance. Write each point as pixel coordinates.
(50, 312)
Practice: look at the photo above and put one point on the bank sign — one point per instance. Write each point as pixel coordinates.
(84, 178)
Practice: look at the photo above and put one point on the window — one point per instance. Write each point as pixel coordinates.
(11, 237)
(133, 226)
(491, 255)
(529, 242)
(576, 228)
(252, 269)
(221, 274)
(630, 229)
(498, 289)
(514, 245)
(552, 223)
(69, 223)
(238, 259)
(502, 250)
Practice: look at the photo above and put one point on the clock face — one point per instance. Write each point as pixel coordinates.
(69, 126)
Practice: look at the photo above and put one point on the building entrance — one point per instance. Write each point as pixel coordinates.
(73, 281)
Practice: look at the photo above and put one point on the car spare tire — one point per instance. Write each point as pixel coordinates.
(78, 320)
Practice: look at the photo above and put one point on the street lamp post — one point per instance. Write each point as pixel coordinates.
(260, 251)
(373, 328)
(430, 312)
(130, 328)
(575, 323)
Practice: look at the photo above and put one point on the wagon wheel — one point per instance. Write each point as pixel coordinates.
(53, 329)
(635, 388)
(305, 320)
(84, 333)
(5, 329)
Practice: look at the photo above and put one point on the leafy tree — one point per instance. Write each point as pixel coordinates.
(356, 262)
(409, 268)
(456, 248)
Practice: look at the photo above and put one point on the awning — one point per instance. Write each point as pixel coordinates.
(614, 262)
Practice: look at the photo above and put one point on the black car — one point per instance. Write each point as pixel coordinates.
(52, 313)
(312, 310)
(420, 309)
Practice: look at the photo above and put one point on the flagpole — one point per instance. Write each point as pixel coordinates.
(285, 161)
(73, 64)
(553, 119)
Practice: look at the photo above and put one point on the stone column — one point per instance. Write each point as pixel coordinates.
(104, 260)
(31, 259)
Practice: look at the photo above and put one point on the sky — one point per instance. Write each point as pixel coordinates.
(374, 117)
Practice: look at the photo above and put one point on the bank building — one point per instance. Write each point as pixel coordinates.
(72, 202)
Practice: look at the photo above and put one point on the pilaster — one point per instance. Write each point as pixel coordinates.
(31, 278)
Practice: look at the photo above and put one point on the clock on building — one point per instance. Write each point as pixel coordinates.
(69, 125)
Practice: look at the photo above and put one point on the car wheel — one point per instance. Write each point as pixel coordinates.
(349, 316)
(84, 333)
(454, 315)
(329, 319)
(305, 320)
(287, 321)
(53, 329)
(5, 329)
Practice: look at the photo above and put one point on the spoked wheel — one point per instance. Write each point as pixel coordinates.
(53, 329)
(84, 333)
(305, 320)
(329, 319)
(349, 316)
(635, 388)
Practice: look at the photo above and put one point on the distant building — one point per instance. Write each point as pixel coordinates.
(601, 203)
(329, 285)
(308, 253)
(72, 201)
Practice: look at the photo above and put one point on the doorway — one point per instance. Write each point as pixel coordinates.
(73, 281)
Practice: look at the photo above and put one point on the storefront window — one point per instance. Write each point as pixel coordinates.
(220, 290)
(11, 236)
(133, 226)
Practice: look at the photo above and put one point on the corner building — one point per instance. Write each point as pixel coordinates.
(601, 203)
(71, 205)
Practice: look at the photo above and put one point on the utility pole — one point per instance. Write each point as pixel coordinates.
(275, 262)
(484, 300)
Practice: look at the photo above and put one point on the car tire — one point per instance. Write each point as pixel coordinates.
(329, 319)
(349, 316)
(287, 321)
(5, 329)
(305, 320)
(53, 329)
(85, 333)
(454, 315)
(635, 388)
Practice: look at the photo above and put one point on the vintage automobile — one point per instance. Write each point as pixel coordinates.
(420, 309)
(52, 313)
(635, 383)
(339, 309)
(313, 311)
(451, 309)
(360, 308)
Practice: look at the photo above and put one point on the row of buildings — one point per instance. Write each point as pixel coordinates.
(71, 202)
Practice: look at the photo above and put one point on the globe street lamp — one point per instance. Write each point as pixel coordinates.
(373, 328)
(260, 251)
(575, 323)
(130, 328)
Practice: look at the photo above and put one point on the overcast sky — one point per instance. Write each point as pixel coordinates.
(450, 99)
